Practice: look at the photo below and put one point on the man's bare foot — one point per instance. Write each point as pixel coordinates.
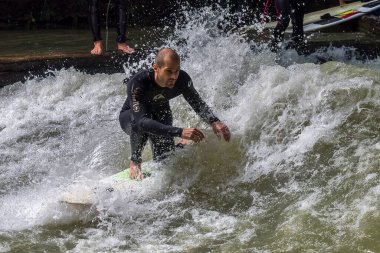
(98, 48)
(123, 47)
(135, 171)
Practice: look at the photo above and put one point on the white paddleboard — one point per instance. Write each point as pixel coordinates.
(84, 195)
(337, 15)
(343, 17)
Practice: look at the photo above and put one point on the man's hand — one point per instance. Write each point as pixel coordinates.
(192, 134)
(135, 171)
(221, 130)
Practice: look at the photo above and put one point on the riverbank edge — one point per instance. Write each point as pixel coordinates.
(21, 68)
(363, 35)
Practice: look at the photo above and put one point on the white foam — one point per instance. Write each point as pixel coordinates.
(63, 129)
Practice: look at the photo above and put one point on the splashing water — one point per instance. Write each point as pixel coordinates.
(301, 173)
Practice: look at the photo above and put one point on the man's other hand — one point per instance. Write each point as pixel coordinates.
(192, 134)
(221, 130)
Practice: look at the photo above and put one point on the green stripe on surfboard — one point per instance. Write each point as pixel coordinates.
(81, 196)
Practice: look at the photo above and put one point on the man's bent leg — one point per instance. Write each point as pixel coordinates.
(137, 139)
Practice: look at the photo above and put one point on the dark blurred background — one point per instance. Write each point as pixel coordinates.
(55, 14)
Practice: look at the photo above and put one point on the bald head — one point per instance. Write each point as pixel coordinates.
(166, 54)
(166, 68)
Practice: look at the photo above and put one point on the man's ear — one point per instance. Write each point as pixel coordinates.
(155, 67)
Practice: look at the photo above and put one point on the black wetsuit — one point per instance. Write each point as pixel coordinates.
(146, 113)
(289, 9)
(94, 20)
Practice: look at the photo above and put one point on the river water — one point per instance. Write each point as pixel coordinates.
(301, 173)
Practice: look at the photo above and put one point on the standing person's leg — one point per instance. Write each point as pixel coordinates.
(162, 146)
(94, 21)
(121, 27)
(283, 10)
(297, 15)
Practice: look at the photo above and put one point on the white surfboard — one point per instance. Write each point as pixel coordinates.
(83, 195)
(334, 16)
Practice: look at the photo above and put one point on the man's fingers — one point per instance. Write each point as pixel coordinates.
(201, 135)
(198, 135)
(221, 130)
(193, 134)
(226, 134)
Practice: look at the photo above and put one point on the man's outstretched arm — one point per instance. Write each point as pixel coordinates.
(204, 111)
(142, 117)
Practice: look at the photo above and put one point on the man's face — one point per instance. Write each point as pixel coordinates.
(167, 75)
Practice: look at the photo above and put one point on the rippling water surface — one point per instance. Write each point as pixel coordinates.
(301, 173)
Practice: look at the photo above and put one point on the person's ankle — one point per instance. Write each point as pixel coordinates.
(98, 48)
(98, 43)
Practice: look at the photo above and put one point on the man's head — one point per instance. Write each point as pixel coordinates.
(166, 67)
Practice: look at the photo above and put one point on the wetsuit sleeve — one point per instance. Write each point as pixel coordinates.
(142, 116)
(197, 103)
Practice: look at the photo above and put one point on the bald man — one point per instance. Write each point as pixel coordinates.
(146, 113)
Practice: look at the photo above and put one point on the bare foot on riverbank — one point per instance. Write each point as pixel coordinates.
(98, 48)
(124, 48)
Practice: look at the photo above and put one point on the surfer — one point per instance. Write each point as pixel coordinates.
(146, 113)
(121, 27)
(289, 10)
